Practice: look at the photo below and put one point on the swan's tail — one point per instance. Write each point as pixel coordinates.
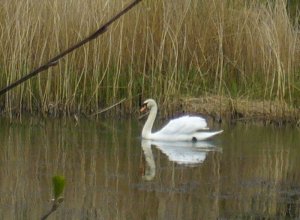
(199, 136)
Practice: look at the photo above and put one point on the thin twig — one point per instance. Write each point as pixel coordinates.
(55, 206)
(108, 108)
(48, 214)
(54, 61)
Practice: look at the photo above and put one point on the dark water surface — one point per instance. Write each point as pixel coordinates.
(248, 172)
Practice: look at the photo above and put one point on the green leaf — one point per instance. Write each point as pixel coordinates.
(58, 185)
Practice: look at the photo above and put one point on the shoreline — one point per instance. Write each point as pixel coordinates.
(224, 109)
(216, 109)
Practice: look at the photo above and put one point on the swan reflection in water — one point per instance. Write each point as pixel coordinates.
(184, 153)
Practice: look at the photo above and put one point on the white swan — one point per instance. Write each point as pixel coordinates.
(185, 128)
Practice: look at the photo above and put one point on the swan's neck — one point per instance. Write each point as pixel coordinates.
(149, 123)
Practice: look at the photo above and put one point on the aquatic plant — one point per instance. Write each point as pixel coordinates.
(161, 49)
(58, 184)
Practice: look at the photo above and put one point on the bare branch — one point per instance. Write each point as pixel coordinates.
(54, 61)
(108, 108)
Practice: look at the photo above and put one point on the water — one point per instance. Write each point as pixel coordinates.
(248, 172)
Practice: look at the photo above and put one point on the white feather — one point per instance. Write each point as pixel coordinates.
(184, 125)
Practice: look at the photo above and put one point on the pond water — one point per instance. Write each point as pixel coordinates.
(247, 172)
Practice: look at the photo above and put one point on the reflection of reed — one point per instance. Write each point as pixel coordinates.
(256, 184)
(101, 171)
(100, 162)
(172, 187)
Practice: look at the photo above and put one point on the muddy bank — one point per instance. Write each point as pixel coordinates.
(220, 109)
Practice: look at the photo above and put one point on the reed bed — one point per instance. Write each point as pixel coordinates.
(160, 49)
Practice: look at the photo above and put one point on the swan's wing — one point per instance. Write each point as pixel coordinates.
(184, 125)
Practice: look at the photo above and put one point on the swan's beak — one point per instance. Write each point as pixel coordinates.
(143, 108)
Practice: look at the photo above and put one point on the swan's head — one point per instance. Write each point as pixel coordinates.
(148, 105)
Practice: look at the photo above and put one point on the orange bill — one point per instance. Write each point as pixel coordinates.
(143, 108)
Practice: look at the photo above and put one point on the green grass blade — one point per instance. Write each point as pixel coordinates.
(58, 185)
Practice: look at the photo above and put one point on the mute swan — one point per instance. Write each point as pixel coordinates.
(185, 128)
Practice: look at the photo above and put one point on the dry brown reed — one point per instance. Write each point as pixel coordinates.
(161, 49)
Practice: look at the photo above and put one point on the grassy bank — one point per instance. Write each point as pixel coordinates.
(161, 49)
(219, 109)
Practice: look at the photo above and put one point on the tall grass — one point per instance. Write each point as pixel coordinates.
(160, 49)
